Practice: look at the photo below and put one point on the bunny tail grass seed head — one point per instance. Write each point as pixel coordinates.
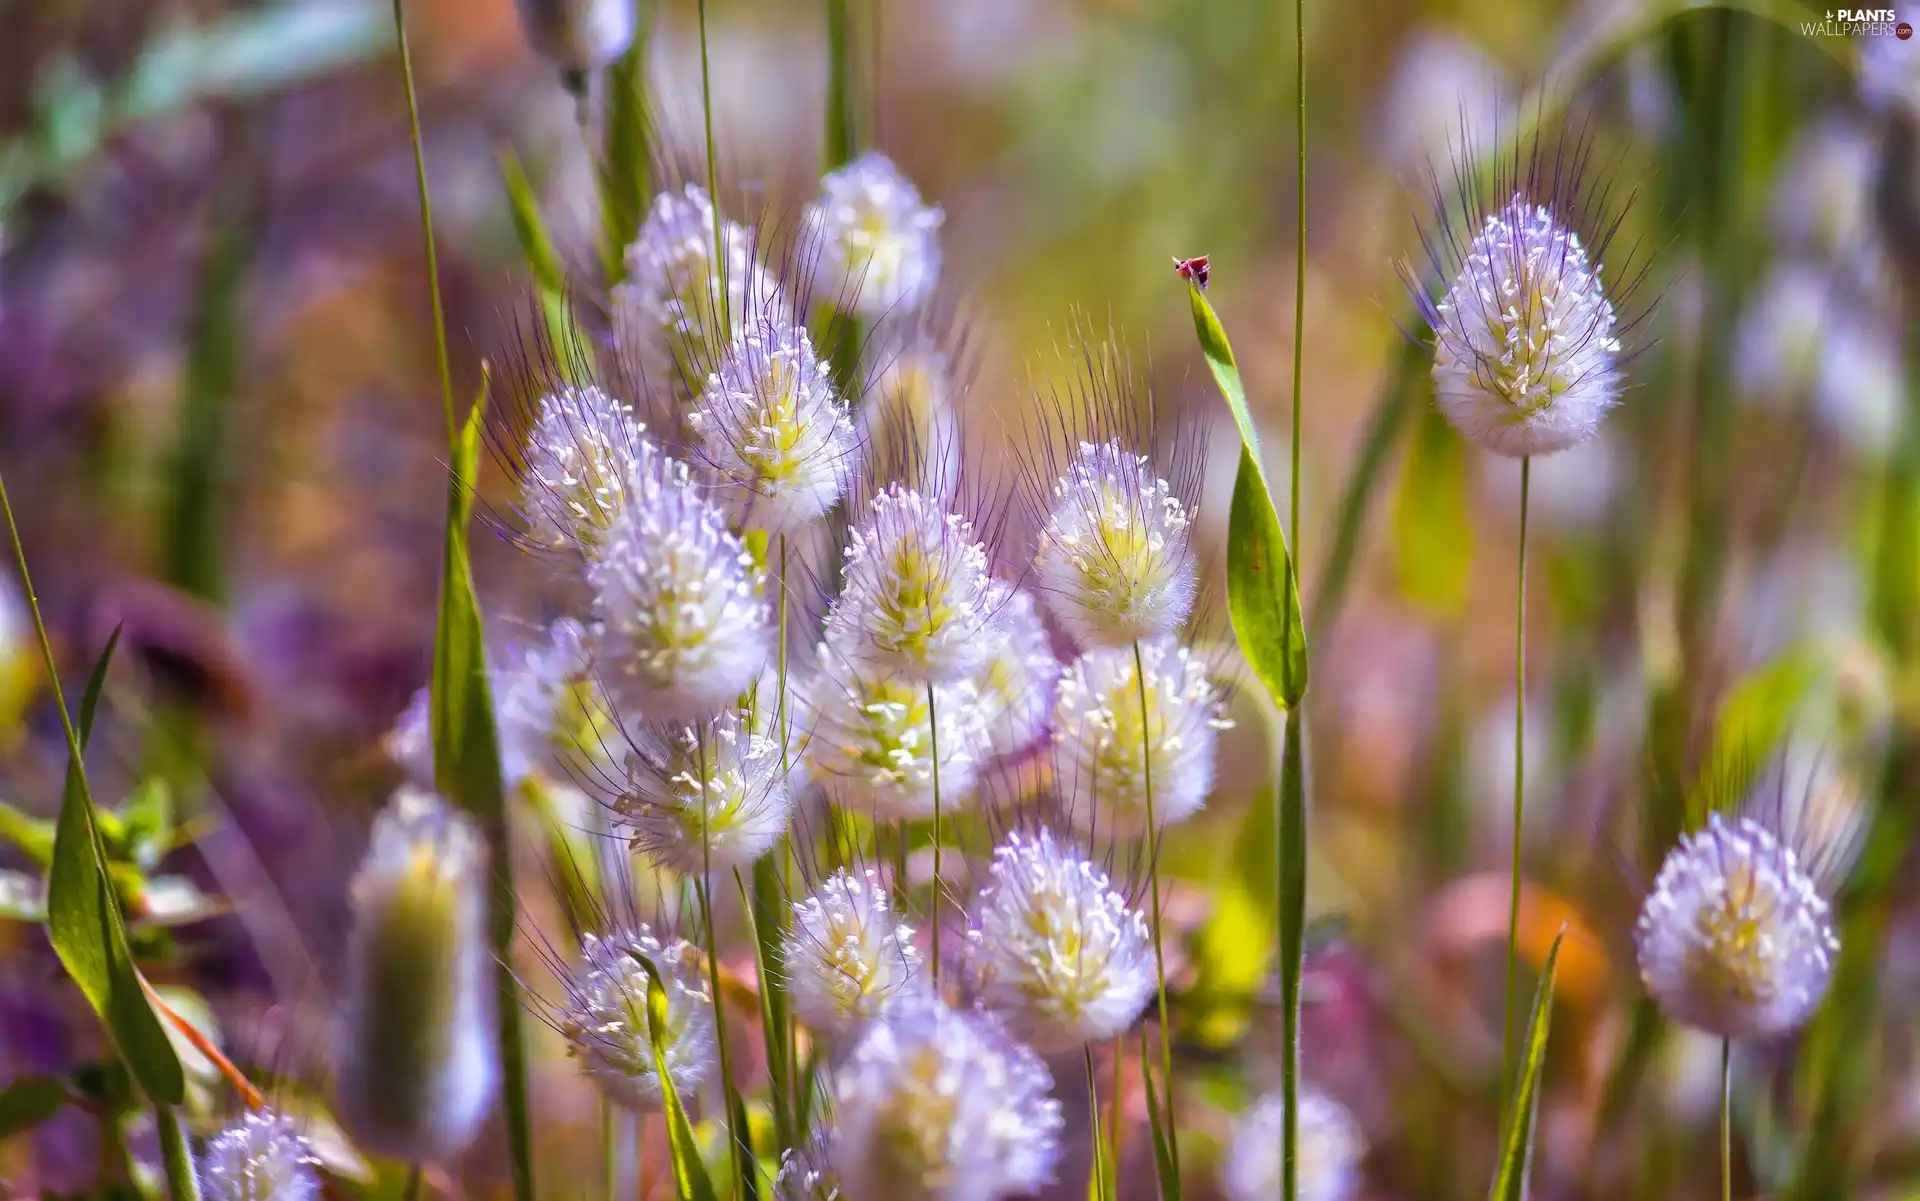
(261, 1157)
(579, 35)
(1017, 685)
(872, 740)
(682, 626)
(805, 1175)
(909, 423)
(533, 694)
(708, 796)
(878, 245)
(848, 958)
(414, 1056)
(605, 1021)
(1054, 949)
(772, 427)
(1330, 1149)
(1736, 937)
(1101, 737)
(667, 315)
(1114, 563)
(1528, 342)
(917, 598)
(935, 1104)
(585, 456)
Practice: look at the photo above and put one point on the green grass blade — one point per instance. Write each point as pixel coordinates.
(466, 770)
(776, 1019)
(1510, 1182)
(536, 244)
(1292, 888)
(87, 930)
(1263, 594)
(1166, 1171)
(690, 1179)
(624, 179)
(840, 84)
(28, 1101)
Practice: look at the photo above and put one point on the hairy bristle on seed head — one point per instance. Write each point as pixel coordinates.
(705, 797)
(848, 957)
(260, 1157)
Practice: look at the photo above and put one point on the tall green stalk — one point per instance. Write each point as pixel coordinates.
(1509, 1012)
(1153, 886)
(175, 1155)
(1726, 1119)
(933, 920)
(502, 902)
(1291, 853)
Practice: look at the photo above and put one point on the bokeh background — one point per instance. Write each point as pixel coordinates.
(219, 430)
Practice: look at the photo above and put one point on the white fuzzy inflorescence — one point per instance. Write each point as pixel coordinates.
(873, 740)
(1114, 563)
(579, 35)
(585, 454)
(805, 1176)
(1054, 950)
(772, 426)
(1104, 743)
(532, 684)
(1330, 1148)
(668, 313)
(878, 246)
(933, 1104)
(709, 797)
(261, 1157)
(917, 597)
(1735, 938)
(1526, 352)
(1017, 685)
(606, 1024)
(848, 958)
(414, 1053)
(683, 628)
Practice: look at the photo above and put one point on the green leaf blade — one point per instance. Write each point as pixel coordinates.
(1510, 1182)
(690, 1180)
(88, 932)
(1263, 595)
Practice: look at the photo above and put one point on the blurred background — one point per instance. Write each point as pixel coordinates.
(219, 431)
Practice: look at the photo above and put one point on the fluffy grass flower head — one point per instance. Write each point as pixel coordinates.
(682, 625)
(1112, 754)
(604, 1016)
(1330, 1148)
(1736, 937)
(878, 246)
(261, 1157)
(1054, 949)
(1017, 685)
(772, 426)
(1528, 342)
(706, 797)
(934, 1104)
(875, 739)
(1114, 562)
(917, 598)
(848, 958)
(583, 455)
(414, 1052)
(683, 303)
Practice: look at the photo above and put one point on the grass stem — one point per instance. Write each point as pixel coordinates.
(1726, 1119)
(933, 918)
(1509, 1010)
(182, 1184)
(502, 901)
(1153, 886)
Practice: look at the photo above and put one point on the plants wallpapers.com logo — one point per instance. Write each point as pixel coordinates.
(1859, 22)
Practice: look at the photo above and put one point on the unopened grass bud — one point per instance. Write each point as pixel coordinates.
(415, 1054)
